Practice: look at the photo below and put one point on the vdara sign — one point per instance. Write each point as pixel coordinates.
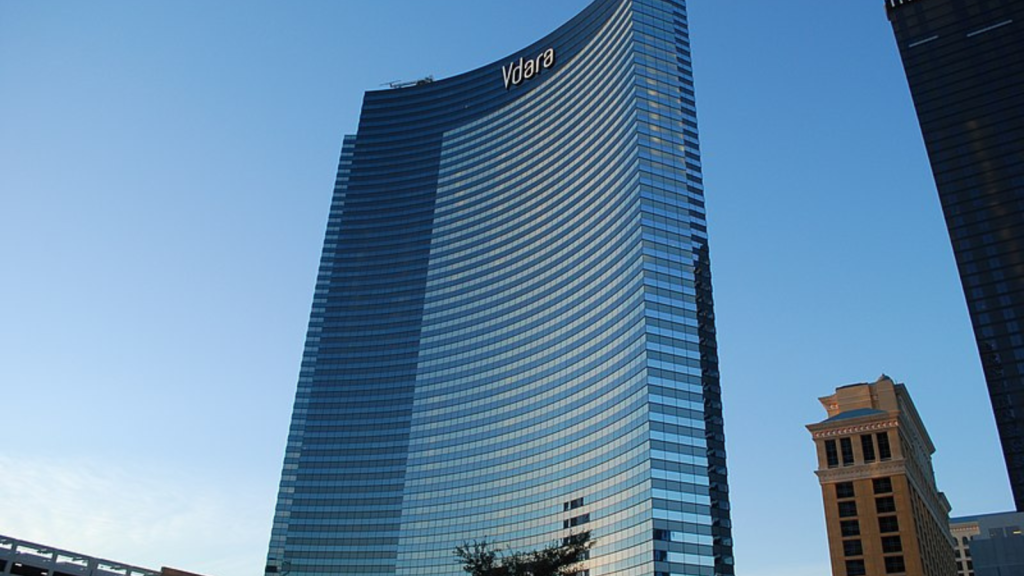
(516, 72)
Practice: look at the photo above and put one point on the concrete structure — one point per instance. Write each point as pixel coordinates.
(883, 511)
(512, 334)
(962, 530)
(966, 74)
(989, 544)
(23, 558)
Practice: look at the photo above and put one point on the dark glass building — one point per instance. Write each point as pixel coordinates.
(964, 60)
(512, 334)
(989, 544)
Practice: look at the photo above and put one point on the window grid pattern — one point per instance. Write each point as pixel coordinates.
(963, 65)
(690, 488)
(530, 389)
(512, 336)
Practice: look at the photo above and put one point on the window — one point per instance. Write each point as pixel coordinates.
(847, 509)
(853, 548)
(19, 569)
(885, 505)
(576, 520)
(660, 556)
(830, 453)
(849, 528)
(888, 524)
(883, 446)
(855, 568)
(844, 490)
(883, 485)
(891, 544)
(847, 447)
(894, 565)
(867, 445)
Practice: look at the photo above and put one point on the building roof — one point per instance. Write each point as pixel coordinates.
(855, 414)
(994, 516)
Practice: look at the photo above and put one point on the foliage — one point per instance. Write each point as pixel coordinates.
(479, 558)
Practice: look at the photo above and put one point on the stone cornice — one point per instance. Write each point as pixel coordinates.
(830, 430)
(861, 472)
(964, 528)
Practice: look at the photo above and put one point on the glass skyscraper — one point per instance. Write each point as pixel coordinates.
(512, 335)
(964, 61)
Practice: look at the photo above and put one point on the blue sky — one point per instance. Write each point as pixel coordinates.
(165, 175)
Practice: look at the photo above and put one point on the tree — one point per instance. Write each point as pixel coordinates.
(479, 558)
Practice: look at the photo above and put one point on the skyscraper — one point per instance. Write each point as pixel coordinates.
(883, 510)
(963, 62)
(512, 334)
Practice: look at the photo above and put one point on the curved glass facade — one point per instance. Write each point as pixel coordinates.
(512, 334)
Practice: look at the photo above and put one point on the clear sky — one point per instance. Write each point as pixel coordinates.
(165, 176)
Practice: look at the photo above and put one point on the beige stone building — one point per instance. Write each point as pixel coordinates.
(963, 532)
(883, 511)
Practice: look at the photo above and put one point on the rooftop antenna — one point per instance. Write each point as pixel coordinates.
(401, 84)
